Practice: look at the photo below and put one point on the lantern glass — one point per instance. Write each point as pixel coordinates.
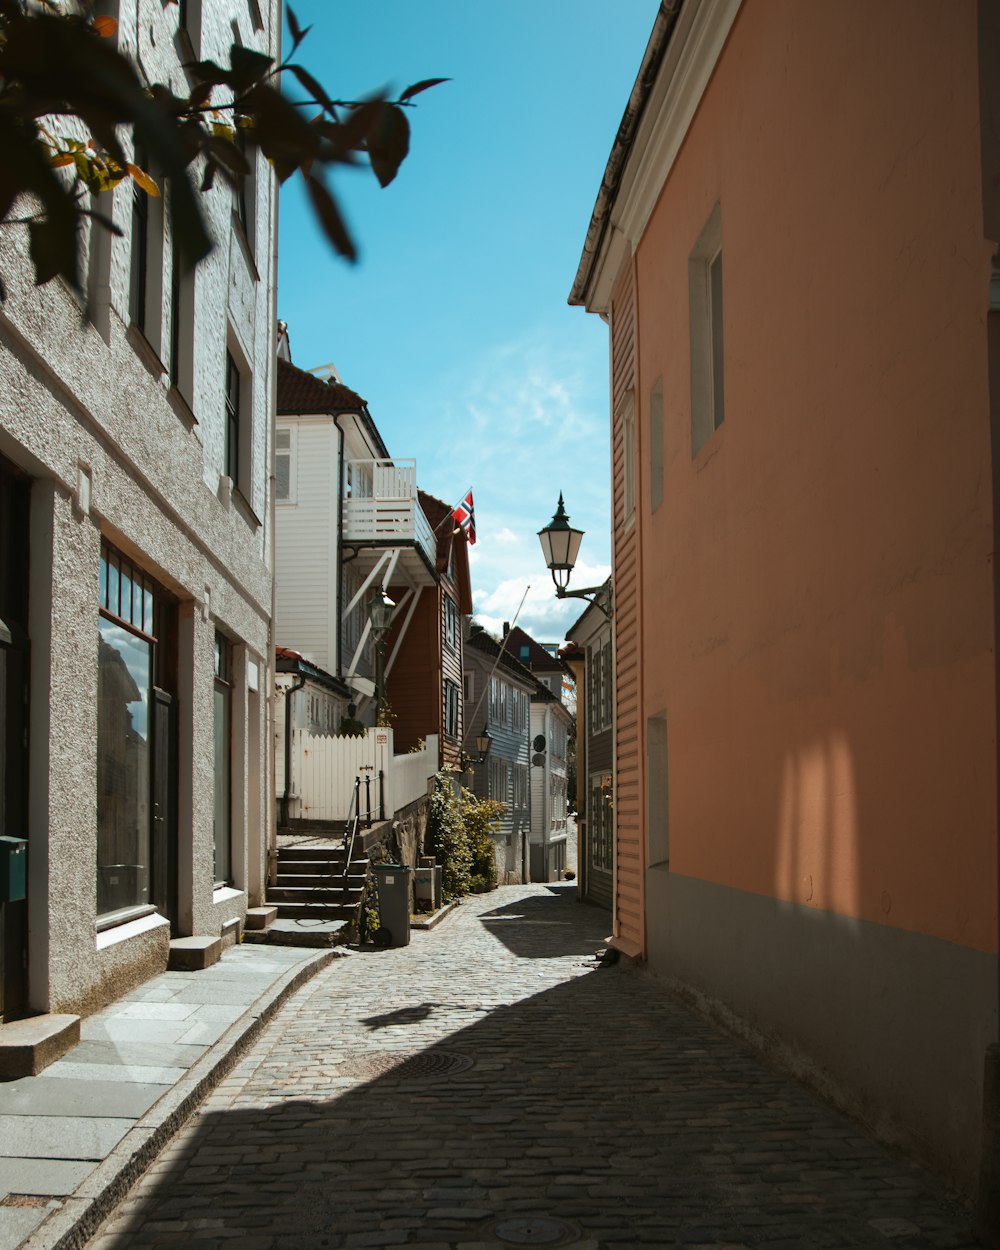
(380, 612)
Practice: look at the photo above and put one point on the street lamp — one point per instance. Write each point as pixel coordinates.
(484, 741)
(560, 546)
(380, 610)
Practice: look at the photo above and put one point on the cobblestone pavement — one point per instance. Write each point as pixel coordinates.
(488, 1086)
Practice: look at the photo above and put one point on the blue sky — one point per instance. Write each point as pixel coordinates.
(454, 324)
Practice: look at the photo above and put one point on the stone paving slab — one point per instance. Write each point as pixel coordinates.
(75, 1138)
(43, 1095)
(155, 1054)
(60, 1137)
(427, 1096)
(51, 1177)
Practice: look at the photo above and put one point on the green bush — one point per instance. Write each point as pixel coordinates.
(481, 818)
(448, 839)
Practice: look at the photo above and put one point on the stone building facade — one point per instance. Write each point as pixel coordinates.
(135, 574)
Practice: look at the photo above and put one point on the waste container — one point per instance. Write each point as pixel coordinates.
(394, 901)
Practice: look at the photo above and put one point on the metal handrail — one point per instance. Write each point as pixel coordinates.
(351, 827)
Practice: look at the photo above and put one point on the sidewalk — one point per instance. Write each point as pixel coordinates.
(73, 1139)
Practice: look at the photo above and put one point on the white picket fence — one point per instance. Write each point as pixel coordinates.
(325, 767)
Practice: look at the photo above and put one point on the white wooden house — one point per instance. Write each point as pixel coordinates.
(348, 520)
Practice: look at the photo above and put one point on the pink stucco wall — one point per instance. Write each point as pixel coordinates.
(817, 586)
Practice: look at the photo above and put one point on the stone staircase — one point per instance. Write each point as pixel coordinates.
(315, 904)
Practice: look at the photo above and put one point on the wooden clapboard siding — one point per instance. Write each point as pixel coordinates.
(451, 670)
(414, 685)
(629, 837)
(305, 543)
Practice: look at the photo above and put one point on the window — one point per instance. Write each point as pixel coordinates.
(520, 712)
(608, 691)
(450, 623)
(451, 717)
(470, 687)
(284, 465)
(521, 786)
(656, 445)
(146, 277)
(134, 756)
(223, 759)
(139, 243)
(232, 462)
(499, 781)
(628, 459)
(182, 285)
(601, 821)
(705, 315)
(498, 702)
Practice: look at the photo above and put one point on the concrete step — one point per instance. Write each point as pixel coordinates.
(292, 879)
(328, 893)
(260, 917)
(291, 854)
(330, 911)
(192, 954)
(29, 1046)
(308, 931)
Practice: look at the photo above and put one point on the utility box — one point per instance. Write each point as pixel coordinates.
(13, 869)
(394, 901)
(427, 885)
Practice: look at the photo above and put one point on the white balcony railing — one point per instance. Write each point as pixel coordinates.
(382, 506)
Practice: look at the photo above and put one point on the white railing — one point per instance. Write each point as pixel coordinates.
(383, 507)
(324, 769)
(382, 479)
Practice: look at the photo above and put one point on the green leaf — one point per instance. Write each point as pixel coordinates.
(388, 142)
(329, 216)
(424, 85)
(248, 67)
(298, 34)
(315, 89)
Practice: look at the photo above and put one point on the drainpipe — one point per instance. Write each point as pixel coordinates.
(340, 545)
(289, 695)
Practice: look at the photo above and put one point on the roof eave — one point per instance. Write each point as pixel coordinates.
(600, 219)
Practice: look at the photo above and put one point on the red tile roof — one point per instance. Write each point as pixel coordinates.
(302, 392)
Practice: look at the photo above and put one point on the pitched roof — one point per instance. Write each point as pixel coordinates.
(299, 392)
(435, 510)
(483, 641)
(538, 659)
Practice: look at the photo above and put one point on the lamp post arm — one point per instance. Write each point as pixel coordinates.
(600, 596)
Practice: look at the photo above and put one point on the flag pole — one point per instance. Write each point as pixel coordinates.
(500, 654)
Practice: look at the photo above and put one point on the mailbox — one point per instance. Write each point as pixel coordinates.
(13, 869)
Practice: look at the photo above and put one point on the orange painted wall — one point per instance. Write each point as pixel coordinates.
(817, 584)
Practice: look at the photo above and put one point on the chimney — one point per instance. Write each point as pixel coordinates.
(506, 628)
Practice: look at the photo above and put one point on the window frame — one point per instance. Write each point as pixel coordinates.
(291, 454)
(706, 315)
(451, 719)
(222, 830)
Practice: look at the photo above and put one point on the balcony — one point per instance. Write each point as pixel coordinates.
(381, 512)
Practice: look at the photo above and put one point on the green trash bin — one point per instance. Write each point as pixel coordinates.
(394, 901)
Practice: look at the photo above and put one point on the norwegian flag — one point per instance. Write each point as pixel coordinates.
(465, 515)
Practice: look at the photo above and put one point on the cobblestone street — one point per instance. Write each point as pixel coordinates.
(490, 1086)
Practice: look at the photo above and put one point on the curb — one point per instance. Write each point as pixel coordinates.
(83, 1211)
(438, 916)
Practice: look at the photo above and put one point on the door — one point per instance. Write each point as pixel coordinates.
(14, 502)
(163, 782)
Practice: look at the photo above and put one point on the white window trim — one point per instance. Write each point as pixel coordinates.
(293, 464)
